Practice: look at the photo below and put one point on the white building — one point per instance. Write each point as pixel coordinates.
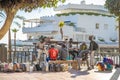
(81, 20)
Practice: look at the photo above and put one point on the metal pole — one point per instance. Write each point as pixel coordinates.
(119, 40)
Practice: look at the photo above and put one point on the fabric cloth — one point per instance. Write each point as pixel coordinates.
(53, 53)
(63, 53)
(85, 52)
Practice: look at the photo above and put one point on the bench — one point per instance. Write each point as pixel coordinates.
(73, 63)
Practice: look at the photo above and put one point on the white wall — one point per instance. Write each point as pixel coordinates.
(88, 22)
(84, 21)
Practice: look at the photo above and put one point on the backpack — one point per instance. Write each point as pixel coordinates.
(95, 46)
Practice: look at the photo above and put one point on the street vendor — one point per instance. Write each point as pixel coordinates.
(40, 47)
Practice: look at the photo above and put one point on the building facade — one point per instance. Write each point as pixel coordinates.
(81, 20)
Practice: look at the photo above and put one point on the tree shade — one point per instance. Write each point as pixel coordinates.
(10, 8)
(113, 6)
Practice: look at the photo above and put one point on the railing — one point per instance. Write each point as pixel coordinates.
(109, 52)
(23, 56)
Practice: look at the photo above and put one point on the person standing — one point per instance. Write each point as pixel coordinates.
(93, 47)
(40, 47)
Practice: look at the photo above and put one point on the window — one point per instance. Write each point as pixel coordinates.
(97, 26)
(105, 26)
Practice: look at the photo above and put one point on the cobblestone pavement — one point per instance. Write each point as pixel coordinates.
(68, 75)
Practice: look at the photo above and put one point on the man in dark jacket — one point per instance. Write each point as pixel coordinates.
(93, 47)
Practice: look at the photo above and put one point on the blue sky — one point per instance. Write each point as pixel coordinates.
(44, 12)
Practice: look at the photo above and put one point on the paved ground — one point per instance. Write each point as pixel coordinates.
(116, 75)
(68, 75)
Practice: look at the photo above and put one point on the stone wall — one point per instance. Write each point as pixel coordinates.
(3, 53)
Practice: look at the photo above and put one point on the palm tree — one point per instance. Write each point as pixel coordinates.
(15, 31)
(2, 15)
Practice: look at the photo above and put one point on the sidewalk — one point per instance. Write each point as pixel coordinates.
(68, 75)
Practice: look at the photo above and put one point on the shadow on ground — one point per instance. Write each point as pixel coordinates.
(78, 73)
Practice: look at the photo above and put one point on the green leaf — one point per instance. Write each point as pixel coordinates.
(16, 23)
(20, 17)
(14, 30)
(2, 15)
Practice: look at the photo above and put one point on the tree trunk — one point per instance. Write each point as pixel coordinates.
(14, 46)
(10, 16)
(9, 45)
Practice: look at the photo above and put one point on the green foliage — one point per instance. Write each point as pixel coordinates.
(61, 24)
(82, 13)
(27, 5)
(42, 37)
(2, 14)
(14, 30)
(102, 40)
(113, 6)
(19, 17)
(113, 40)
(16, 23)
(70, 24)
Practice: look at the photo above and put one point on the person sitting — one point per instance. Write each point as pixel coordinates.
(53, 53)
(70, 48)
(63, 52)
(83, 56)
(83, 46)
